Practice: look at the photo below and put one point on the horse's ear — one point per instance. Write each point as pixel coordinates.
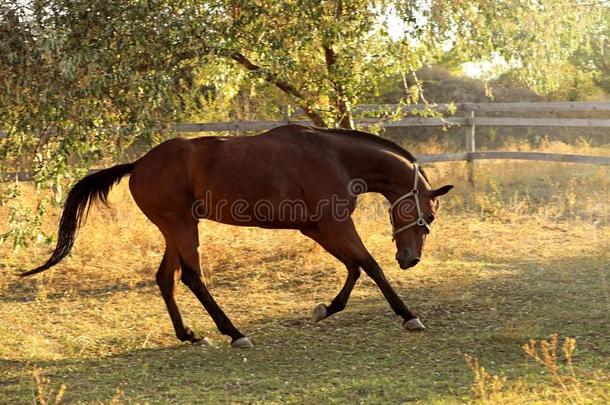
(441, 191)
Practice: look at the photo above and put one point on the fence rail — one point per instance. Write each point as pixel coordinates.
(469, 121)
(561, 106)
(501, 155)
(405, 122)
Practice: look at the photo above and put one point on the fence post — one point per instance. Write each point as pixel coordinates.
(469, 140)
(286, 113)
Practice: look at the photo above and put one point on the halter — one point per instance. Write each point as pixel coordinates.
(420, 221)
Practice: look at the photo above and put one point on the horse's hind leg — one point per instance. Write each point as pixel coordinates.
(187, 241)
(167, 276)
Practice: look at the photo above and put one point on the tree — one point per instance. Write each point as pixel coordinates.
(81, 79)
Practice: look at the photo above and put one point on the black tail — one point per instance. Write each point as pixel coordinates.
(92, 187)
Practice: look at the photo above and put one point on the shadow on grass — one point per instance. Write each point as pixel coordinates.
(26, 290)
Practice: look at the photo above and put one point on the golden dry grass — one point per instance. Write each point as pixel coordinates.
(522, 256)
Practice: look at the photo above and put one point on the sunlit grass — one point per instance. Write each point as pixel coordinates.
(521, 256)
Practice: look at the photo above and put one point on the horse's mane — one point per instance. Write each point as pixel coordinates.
(386, 143)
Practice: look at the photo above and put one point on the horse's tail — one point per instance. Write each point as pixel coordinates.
(92, 187)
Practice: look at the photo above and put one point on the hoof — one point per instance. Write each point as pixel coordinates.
(202, 342)
(242, 343)
(188, 336)
(319, 312)
(414, 325)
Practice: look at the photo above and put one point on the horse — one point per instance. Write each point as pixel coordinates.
(290, 177)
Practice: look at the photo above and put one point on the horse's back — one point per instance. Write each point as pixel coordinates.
(286, 163)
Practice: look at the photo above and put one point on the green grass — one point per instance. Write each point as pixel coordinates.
(489, 282)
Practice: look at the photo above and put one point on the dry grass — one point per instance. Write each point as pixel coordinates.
(564, 384)
(522, 256)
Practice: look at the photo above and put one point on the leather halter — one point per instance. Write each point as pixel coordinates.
(420, 221)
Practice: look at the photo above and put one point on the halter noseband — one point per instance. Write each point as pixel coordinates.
(420, 221)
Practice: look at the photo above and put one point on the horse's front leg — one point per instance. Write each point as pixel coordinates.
(342, 240)
(374, 271)
(338, 304)
(333, 242)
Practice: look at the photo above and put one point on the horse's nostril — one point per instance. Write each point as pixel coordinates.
(405, 254)
(414, 262)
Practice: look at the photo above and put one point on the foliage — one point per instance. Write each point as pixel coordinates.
(593, 55)
(24, 222)
(80, 80)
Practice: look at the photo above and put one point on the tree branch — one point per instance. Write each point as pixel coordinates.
(281, 84)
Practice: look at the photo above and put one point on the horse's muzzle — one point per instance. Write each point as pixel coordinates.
(405, 260)
(409, 264)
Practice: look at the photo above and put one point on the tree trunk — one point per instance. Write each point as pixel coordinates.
(339, 99)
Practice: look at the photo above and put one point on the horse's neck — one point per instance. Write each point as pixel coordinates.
(383, 172)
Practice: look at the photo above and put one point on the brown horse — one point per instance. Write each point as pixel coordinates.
(292, 177)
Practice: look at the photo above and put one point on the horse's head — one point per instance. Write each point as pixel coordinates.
(411, 215)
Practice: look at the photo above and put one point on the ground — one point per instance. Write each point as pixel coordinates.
(494, 275)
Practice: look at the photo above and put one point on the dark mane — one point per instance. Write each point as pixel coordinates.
(393, 146)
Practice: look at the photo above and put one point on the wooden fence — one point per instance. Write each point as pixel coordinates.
(467, 116)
